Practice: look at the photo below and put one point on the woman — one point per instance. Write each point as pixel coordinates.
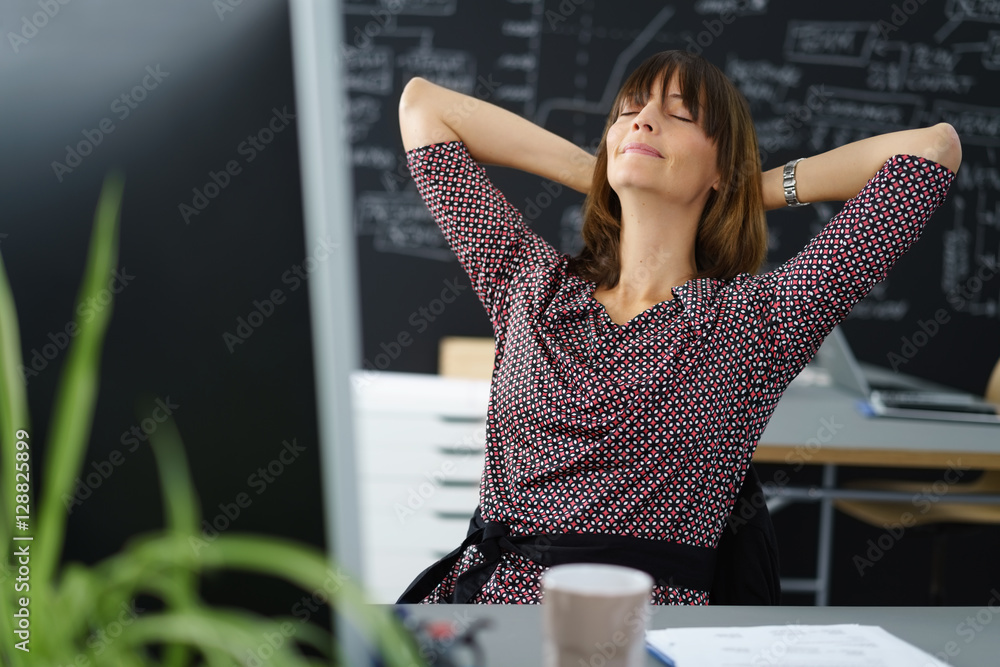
(631, 383)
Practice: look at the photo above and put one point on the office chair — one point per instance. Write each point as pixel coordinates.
(931, 509)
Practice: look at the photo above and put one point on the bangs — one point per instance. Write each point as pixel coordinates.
(699, 88)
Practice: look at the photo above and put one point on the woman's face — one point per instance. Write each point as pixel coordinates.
(659, 148)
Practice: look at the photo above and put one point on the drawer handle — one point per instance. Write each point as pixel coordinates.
(455, 450)
(453, 515)
(463, 419)
(460, 483)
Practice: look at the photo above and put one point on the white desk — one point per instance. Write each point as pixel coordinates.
(821, 425)
(946, 632)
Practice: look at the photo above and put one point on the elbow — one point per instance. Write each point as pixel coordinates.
(946, 146)
(409, 101)
(412, 113)
(420, 115)
(422, 108)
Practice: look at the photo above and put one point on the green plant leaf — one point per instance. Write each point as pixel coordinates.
(181, 506)
(299, 564)
(13, 398)
(238, 635)
(312, 571)
(77, 391)
(182, 511)
(13, 416)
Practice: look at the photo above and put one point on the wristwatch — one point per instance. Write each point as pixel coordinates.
(788, 183)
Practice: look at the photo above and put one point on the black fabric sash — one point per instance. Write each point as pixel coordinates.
(669, 563)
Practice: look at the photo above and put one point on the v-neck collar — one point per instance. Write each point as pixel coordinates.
(695, 298)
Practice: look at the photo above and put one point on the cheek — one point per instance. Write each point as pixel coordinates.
(703, 154)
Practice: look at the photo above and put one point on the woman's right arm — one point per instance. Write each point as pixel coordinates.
(429, 113)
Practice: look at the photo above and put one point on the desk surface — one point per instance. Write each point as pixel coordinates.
(817, 424)
(950, 633)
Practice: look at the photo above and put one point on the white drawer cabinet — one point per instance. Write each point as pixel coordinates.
(420, 451)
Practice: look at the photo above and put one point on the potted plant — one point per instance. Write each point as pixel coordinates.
(71, 614)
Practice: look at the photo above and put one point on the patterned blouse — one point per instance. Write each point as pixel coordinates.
(644, 429)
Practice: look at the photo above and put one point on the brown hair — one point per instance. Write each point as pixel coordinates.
(732, 232)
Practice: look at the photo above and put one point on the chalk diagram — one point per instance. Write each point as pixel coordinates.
(880, 83)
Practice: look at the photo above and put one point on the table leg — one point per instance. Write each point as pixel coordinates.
(824, 548)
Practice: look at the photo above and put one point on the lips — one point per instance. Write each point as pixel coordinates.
(645, 149)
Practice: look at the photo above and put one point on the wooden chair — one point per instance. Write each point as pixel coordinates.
(931, 507)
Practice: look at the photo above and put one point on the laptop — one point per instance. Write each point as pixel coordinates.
(894, 401)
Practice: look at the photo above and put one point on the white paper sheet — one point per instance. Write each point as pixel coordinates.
(786, 646)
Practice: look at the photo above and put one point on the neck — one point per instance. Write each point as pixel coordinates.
(656, 248)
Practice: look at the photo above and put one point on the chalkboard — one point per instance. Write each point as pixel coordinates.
(816, 75)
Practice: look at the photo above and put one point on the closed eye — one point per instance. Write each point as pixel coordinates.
(686, 120)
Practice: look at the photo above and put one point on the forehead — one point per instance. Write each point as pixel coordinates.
(671, 84)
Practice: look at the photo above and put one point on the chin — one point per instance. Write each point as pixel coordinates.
(644, 183)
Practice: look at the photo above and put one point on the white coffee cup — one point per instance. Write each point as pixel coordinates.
(595, 614)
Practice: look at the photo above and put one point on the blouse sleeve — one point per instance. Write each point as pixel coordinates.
(488, 234)
(815, 290)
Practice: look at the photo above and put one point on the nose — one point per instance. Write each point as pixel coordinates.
(644, 120)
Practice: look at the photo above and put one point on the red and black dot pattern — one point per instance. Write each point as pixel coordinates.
(644, 429)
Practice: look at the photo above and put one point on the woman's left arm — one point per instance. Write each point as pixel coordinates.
(839, 174)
